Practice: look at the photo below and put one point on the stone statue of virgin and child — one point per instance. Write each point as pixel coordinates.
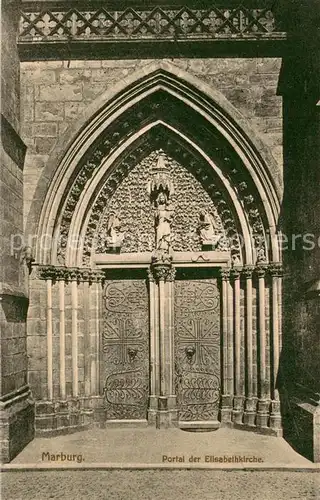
(163, 218)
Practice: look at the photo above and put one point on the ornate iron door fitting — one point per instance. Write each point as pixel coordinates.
(197, 350)
(125, 344)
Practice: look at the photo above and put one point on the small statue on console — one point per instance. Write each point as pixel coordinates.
(160, 188)
(209, 232)
(163, 217)
(114, 236)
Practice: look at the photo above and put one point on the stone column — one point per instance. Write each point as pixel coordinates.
(237, 412)
(74, 333)
(154, 349)
(166, 414)
(86, 287)
(226, 399)
(94, 337)
(169, 286)
(263, 401)
(250, 401)
(49, 340)
(62, 331)
(275, 416)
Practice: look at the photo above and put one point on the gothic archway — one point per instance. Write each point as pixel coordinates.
(98, 217)
(114, 115)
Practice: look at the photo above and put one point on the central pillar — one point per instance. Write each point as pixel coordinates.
(162, 401)
(227, 391)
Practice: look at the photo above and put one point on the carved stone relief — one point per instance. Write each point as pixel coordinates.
(144, 222)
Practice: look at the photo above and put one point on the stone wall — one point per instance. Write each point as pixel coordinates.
(55, 93)
(16, 409)
(301, 216)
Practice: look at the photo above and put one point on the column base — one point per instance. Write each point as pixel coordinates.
(226, 408)
(263, 413)
(166, 419)
(249, 417)
(237, 412)
(275, 416)
(162, 412)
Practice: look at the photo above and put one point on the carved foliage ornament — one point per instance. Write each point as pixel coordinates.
(57, 273)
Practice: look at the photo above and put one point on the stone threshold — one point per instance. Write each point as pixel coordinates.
(144, 466)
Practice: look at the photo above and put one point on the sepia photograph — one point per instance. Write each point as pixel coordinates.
(160, 249)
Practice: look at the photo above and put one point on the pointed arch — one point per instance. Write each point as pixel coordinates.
(112, 109)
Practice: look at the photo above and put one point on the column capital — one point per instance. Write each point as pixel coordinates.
(247, 272)
(161, 272)
(275, 269)
(61, 273)
(46, 272)
(224, 273)
(261, 270)
(235, 272)
(74, 275)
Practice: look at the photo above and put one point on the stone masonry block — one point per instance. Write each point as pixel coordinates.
(62, 128)
(81, 64)
(269, 65)
(110, 74)
(39, 75)
(243, 99)
(264, 79)
(122, 63)
(43, 145)
(49, 111)
(42, 65)
(68, 76)
(224, 65)
(73, 109)
(92, 90)
(27, 97)
(56, 93)
(44, 129)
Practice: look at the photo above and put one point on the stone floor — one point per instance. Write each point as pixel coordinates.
(143, 448)
(160, 485)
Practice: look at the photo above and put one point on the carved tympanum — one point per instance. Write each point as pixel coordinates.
(149, 221)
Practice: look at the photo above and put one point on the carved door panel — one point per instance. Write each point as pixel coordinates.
(125, 345)
(197, 348)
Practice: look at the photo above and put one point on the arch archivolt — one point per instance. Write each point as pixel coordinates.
(162, 97)
(204, 171)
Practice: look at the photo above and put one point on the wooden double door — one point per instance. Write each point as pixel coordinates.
(194, 339)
